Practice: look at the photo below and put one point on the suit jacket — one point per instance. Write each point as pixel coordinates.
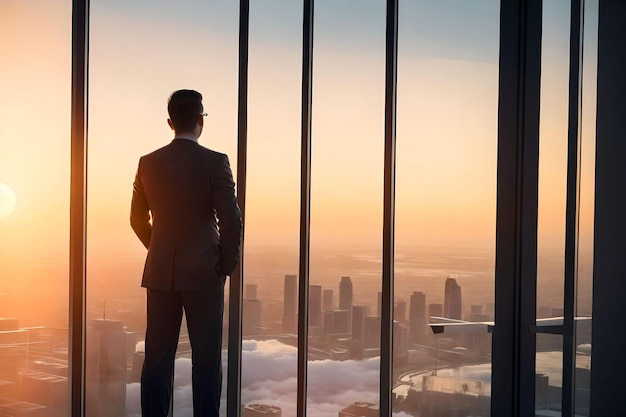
(185, 213)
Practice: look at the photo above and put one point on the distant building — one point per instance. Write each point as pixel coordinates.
(11, 338)
(251, 291)
(371, 333)
(290, 304)
(435, 310)
(345, 296)
(452, 397)
(106, 366)
(452, 306)
(345, 293)
(327, 300)
(329, 322)
(476, 309)
(399, 311)
(417, 317)
(336, 322)
(260, 410)
(252, 317)
(341, 320)
(360, 409)
(400, 339)
(359, 312)
(315, 305)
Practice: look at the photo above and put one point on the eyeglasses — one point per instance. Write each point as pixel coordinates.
(204, 114)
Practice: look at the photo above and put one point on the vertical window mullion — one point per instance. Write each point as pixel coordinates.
(236, 281)
(78, 206)
(573, 206)
(305, 205)
(386, 328)
(513, 377)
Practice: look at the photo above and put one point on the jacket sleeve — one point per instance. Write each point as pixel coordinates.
(140, 212)
(228, 215)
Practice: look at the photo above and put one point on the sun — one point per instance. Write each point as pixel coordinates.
(7, 200)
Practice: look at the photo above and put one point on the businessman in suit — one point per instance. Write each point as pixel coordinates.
(185, 213)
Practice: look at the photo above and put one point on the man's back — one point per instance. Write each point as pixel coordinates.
(184, 186)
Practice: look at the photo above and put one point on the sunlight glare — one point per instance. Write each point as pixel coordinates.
(7, 200)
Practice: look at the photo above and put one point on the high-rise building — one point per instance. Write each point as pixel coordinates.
(417, 317)
(359, 312)
(345, 293)
(251, 317)
(315, 305)
(260, 410)
(251, 291)
(329, 322)
(452, 306)
(106, 369)
(435, 310)
(360, 409)
(327, 302)
(341, 321)
(400, 339)
(290, 304)
(399, 311)
(371, 332)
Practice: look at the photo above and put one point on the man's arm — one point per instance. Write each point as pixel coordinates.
(140, 212)
(228, 214)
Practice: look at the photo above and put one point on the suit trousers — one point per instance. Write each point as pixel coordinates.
(204, 314)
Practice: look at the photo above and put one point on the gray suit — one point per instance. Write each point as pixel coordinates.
(193, 242)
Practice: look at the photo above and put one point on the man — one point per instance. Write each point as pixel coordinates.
(185, 213)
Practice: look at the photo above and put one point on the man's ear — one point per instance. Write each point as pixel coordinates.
(201, 121)
(169, 122)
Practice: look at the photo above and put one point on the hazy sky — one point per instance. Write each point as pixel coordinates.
(142, 50)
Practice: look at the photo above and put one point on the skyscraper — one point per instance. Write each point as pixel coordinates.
(371, 333)
(315, 305)
(359, 312)
(327, 303)
(106, 369)
(435, 310)
(452, 307)
(417, 317)
(251, 292)
(290, 304)
(345, 293)
(399, 312)
(252, 317)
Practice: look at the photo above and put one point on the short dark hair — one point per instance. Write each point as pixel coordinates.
(184, 107)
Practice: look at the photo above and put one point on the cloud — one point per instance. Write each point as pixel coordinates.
(269, 376)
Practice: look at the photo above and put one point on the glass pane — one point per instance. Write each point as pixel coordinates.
(346, 207)
(140, 52)
(587, 177)
(445, 204)
(548, 375)
(269, 357)
(553, 158)
(35, 108)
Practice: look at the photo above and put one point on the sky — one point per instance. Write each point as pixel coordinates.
(140, 51)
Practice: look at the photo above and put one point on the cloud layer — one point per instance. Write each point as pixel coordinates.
(269, 376)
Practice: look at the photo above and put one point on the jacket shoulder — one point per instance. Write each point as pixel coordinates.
(210, 153)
